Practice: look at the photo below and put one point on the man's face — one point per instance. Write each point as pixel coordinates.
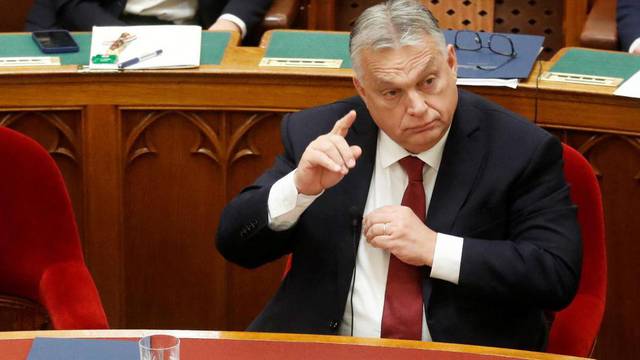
(410, 92)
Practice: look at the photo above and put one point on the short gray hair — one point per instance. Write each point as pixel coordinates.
(393, 24)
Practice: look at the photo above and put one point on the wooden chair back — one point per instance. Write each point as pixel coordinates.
(13, 14)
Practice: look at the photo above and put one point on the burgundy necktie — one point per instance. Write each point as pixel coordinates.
(402, 314)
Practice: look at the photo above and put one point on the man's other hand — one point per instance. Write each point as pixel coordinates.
(397, 229)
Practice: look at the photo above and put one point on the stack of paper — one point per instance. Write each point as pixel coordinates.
(147, 47)
(630, 88)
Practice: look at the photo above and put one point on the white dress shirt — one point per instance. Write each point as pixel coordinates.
(177, 11)
(387, 187)
(634, 45)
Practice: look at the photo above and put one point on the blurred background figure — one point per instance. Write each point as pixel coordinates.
(628, 16)
(240, 16)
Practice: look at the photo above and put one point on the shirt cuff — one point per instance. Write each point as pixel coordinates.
(447, 257)
(236, 20)
(285, 204)
(634, 45)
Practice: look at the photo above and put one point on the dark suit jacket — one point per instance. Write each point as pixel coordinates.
(500, 185)
(82, 15)
(628, 16)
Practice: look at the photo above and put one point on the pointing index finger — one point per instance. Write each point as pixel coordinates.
(342, 126)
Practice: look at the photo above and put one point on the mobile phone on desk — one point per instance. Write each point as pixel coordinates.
(55, 41)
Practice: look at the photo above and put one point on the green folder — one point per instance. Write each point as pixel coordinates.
(310, 45)
(598, 63)
(12, 45)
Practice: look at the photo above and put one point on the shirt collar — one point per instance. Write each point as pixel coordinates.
(390, 151)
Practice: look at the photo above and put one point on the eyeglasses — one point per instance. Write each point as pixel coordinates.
(498, 44)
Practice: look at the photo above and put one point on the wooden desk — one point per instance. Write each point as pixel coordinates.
(245, 345)
(150, 159)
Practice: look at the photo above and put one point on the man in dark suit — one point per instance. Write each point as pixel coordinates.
(241, 16)
(497, 247)
(628, 16)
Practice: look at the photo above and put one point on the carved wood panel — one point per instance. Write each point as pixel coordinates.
(451, 14)
(180, 169)
(474, 15)
(59, 133)
(535, 17)
(616, 160)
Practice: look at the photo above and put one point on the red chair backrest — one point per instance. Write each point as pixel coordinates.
(40, 253)
(575, 329)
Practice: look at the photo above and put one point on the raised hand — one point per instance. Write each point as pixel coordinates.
(327, 159)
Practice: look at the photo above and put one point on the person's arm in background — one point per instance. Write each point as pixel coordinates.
(42, 16)
(628, 18)
(241, 15)
(82, 15)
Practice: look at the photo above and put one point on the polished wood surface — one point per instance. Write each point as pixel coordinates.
(429, 347)
(151, 158)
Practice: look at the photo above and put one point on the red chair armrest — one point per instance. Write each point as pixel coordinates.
(76, 304)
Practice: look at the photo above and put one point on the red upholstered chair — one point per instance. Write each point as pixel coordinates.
(41, 262)
(575, 329)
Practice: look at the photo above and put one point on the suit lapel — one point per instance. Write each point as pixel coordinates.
(354, 187)
(461, 160)
(351, 193)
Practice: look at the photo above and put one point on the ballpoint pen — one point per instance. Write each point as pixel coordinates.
(135, 60)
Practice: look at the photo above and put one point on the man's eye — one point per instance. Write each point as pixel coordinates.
(429, 81)
(390, 93)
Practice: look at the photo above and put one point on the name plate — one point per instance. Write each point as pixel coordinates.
(301, 63)
(581, 79)
(30, 61)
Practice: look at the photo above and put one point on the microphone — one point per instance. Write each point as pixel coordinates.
(356, 220)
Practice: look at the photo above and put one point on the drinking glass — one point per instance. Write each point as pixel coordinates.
(159, 347)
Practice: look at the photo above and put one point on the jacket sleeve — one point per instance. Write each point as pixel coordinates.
(250, 11)
(82, 15)
(244, 236)
(540, 262)
(628, 18)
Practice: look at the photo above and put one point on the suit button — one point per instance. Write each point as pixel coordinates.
(333, 324)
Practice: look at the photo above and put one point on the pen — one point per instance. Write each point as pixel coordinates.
(138, 59)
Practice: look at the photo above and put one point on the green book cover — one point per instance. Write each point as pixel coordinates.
(310, 45)
(598, 63)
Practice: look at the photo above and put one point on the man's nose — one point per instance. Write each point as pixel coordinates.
(417, 105)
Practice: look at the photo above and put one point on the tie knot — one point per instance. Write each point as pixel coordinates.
(413, 167)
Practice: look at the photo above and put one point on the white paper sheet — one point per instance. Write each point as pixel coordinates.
(180, 45)
(511, 83)
(630, 88)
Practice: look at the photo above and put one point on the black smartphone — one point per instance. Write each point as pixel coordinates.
(55, 41)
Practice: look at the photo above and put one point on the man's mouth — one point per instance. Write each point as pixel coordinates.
(422, 127)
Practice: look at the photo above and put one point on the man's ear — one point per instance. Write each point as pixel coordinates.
(359, 88)
(452, 61)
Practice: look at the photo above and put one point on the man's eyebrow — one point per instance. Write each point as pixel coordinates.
(381, 82)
